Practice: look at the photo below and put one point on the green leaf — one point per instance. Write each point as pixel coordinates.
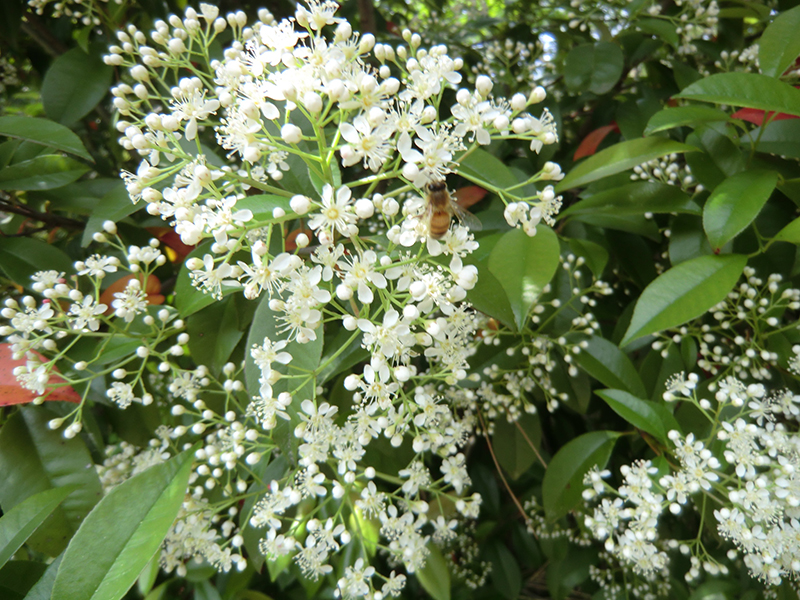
(635, 199)
(304, 356)
(214, 333)
(790, 233)
(435, 576)
(103, 561)
(506, 576)
(610, 366)
(563, 480)
(33, 458)
(41, 173)
(488, 296)
(262, 205)
(780, 137)
(594, 67)
(17, 524)
(115, 205)
(749, 90)
(779, 45)
(619, 158)
(642, 414)
(74, 84)
(683, 115)
(479, 166)
(188, 299)
(43, 589)
(21, 257)
(684, 293)
(44, 132)
(688, 240)
(512, 443)
(524, 265)
(735, 203)
(663, 29)
(595, 255)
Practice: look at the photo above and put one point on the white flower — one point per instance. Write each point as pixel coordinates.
(86, 314)
(360, 274)
(373, 144)
(337, 213)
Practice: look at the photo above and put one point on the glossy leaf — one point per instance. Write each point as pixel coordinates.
(735, 203)
(214, 333)
(681, 116)
(604, 361)
(512, 443)
(115, 205)
(781, 136)
(435, 575)
(17, 524)
(563, 480)
(524, 265)
(779, 45)
(790, 233)
(45, 132)
(684, 292)
(635, 199)
(102, 562)
(642, 414)
(750, 90)
(594, 67)
(590, 143)
(263, 205)
(74, 84)
(757, 117)
(43, 589)
(488, 296)
(506, 575)
(21, 257)
(479, 166)
(34, 458)
(595, 255)
(41, 173)
(189, 299)
(12, 392)
(619, 158)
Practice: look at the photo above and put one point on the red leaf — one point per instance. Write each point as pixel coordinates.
(469, 195)
(152, 289)
(171, 240)
(11, 392)
(756, 116)
(590, 143)
(291, 245)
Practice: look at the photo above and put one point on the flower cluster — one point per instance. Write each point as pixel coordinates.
(669, 170)
(746, 465)
(736, 338)
(319, 211)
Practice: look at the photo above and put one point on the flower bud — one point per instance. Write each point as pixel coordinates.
(291, 134)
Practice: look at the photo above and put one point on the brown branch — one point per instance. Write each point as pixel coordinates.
(500, 470)
(33, 26)
(49, 219)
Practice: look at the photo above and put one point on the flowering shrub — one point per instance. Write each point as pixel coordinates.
(248, 291)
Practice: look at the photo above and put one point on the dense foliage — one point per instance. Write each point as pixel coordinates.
(390, 299)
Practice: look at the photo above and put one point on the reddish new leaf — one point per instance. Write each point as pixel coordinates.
(176, 249)
(11, 392)
(152, 289)
(757, 116)
(291, 244)
(592, 141)
(469, 195)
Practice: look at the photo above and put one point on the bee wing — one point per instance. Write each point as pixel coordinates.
(466, 218)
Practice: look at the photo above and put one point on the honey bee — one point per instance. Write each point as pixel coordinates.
(441, 209)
